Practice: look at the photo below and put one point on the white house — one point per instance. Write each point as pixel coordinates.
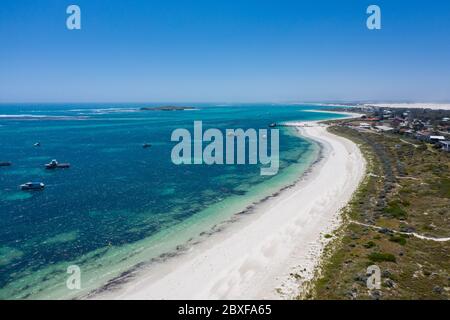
(384, 128)
(445, 145)
(435, 139)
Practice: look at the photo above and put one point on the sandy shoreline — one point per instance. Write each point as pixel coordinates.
(254, 257)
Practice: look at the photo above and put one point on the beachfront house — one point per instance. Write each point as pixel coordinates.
(437, 139)
(445, 145)
(384, 128)
(409, 132)
(364, 125)
(423, 136)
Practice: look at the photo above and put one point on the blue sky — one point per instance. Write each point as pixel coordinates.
(224, 50)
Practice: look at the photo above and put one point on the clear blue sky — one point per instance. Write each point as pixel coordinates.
(224, 50)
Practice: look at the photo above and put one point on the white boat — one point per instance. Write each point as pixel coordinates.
(32, 186)
(55, 164)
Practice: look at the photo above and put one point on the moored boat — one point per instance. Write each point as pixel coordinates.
(5, 164)
(32, 186)
(56, 165)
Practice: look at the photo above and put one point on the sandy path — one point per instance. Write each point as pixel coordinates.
(419, 236)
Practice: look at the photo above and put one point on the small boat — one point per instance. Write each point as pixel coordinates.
(37, 144)
(55, 165)
(146, 145)
(5, 164)
(273, 125)
(32, 186)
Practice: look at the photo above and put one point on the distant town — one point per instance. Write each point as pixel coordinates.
(425, 125)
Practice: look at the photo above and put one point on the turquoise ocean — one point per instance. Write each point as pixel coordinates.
(120, 206)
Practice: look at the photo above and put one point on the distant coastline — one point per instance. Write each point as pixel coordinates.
(167, 108)
(415, 105)
(396, 105)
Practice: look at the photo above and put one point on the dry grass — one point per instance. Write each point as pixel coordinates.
(409, 191)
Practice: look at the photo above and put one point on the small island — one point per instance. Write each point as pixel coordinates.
(167, 108)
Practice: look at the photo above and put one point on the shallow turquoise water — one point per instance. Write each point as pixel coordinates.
(120, 204)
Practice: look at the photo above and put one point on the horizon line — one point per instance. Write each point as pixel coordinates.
(233, 102)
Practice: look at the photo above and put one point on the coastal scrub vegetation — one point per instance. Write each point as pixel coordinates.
(405, 193)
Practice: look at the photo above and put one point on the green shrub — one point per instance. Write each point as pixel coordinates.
(422, 147)
(398, 239)
(369, 245)
(406, 203)
(444, 187)
(381, 257)
(395, 210)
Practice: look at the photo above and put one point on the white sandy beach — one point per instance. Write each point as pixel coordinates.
(254, 257)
